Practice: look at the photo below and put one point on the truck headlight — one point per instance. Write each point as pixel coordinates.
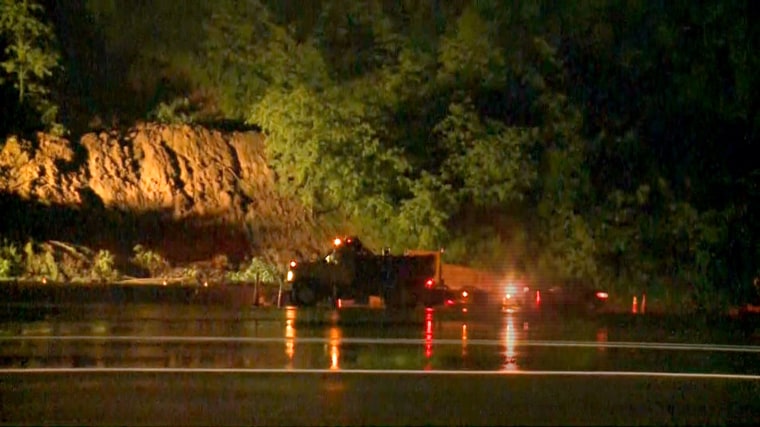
(289, 277)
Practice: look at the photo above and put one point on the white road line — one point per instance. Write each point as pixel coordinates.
(389, 341)
(679, 375)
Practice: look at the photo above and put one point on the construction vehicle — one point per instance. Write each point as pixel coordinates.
(350, 271)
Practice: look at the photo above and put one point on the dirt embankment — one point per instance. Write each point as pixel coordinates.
(188, 192)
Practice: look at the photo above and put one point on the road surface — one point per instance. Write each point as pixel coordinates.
(210, 365)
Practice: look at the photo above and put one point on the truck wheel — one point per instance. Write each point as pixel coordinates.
(303, 294)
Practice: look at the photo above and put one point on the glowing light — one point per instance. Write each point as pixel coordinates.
(602, 295)
(429, 283)
(205, 284)
(164, 283)
(337, 242)
(465, 293)
(44, 280)
(538, 297)
(292, 264)
(289, 276)
(449, 302)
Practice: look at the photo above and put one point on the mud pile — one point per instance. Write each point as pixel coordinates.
(187, 192)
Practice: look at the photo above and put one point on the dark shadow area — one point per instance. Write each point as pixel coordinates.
(31, 302)
(16, 118)
(98, 227)
(96, 79)
(227, 125)
(77, 162)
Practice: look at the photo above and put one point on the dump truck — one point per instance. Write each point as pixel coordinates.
(350, 271)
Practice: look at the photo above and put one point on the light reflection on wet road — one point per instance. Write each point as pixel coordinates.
(157, 336)
(206, 365)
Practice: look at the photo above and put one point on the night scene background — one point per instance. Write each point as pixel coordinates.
(604, 141)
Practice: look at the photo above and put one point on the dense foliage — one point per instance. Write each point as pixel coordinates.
(608, 141)
(30, 57)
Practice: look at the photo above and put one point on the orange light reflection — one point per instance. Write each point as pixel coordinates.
(290, 334)
(335, 337)
(510, 339)
(464, 340)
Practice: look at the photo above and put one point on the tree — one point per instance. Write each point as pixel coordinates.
(470, 55)
(31, 56)
(488, 160)
(245, 53)
(325, 150)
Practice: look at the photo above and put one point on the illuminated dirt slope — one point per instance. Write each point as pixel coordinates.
(188, 192)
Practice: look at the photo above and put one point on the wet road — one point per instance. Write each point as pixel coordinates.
(186, 364)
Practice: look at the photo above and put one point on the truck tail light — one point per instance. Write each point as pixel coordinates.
(602, 295)
(429, 284)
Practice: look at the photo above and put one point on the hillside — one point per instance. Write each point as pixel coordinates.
(186, 192)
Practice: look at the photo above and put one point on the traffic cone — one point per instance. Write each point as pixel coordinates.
(635, 307)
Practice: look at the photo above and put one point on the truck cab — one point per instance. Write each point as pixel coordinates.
(353, 272)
